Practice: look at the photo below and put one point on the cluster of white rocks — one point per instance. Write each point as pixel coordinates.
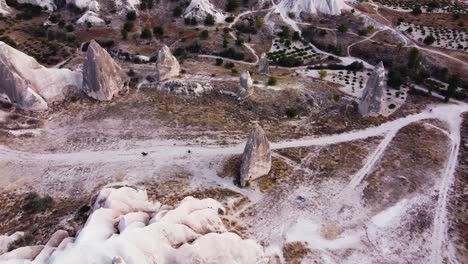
(126, 227)
(31, 86)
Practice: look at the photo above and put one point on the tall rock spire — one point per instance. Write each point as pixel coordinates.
(102, 76)
(371, 101)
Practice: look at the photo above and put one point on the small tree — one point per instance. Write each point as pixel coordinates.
(232, 5)
(239, 41)
(322, 73)
(204, 34)
(219, 61)
(177, 12)
(292, 112)
(131, 15)
(416, 11)
(210, 20)
(429, 40)
(146, 33)
(452, 88)
(158, 31)
(128, 26)
(272, 81)
(296, 36)
(342, 28)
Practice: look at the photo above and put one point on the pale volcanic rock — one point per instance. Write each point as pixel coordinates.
(245, 85)
(167, 65)
(329, 7)
(4, 8)
(185, 233)
(263, 64)
(31, 86)
(371, 101)
(102, 76)
(201, 8)
(256, 159)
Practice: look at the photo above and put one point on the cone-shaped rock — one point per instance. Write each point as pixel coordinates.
(256, 160)
(371, 101)
(263, 65)
(102, 76)
(167, 65)
(246, 83)
(31, 86)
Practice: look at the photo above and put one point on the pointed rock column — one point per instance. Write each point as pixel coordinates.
(263, 65)
(167, 65)
(371, 100)
(102, 76)
(256, 160)
(246, 83)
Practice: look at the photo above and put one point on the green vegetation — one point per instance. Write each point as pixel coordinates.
(342, 28)
(322, 73)
(210, 20)
(204, 34)
(146, 33)
(158, 31)
(272, 81)
(177, 12)
(232, 5)
(292, 112)
(131, 16)
(34, 203)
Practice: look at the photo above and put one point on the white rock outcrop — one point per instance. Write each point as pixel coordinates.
(31, 86)
(245, 85)
(125, 227)
(102, 76)
(4, 8)
(263, 64)
(201, 8)
(7, 240)
(90, 17)
(166, 64)
(329, 7)
(256, 159)
(372, 97)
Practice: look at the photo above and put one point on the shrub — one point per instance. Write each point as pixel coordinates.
(146, 33)
(131, 16)
(229, 19)
(210, 20)
(158, 31)
(296, 36)
(219, 61)
(322, 73)
(232, 5)
(9, 41)
(35, 203)
(416, 11)
(177, 12)
(260, 22)
(204, 34)
(429, 40)
(272, 81)
(229, 65)
(239, 41)
(292, 112)
(291, 15)
(128, 26)
(342, 28)
(70, 28)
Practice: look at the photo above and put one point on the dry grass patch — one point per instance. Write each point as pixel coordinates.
(294, 252)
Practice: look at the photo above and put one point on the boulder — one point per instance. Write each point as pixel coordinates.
(4, 8)
(263, 65)
(167, 65)
(246, 84)
(199, 9)
(371, 100)
(256, 159)
(102, 76)
(31, 86)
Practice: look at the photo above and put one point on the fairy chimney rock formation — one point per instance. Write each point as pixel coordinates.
(29, 85)
(256, 159)
(371, 100)
(263, 65)
(167, 65)
(102, 76)
(246, 83)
